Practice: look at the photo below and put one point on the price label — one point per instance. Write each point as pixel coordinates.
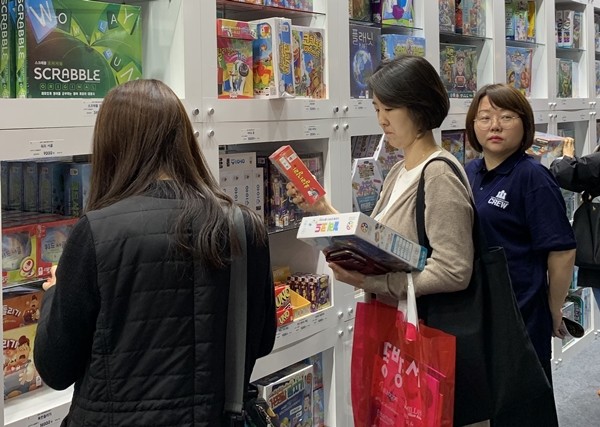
(46, 148)
(467, 103)
(45, 419)
(563, 102)
(250, 135)
(583, 116)
(311, 105)
(360, 105)
(311, 131)
(91, 107)
(564, 118)
(454, 124)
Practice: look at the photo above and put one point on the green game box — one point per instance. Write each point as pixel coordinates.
(75, 48)
(7, 50)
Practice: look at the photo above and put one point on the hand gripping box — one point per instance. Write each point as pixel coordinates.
(361, 233)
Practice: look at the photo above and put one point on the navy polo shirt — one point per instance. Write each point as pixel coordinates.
(521, 208)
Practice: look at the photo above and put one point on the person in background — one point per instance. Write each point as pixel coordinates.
(521, 209)
(580, 174)
(410, 101)
(136, 314)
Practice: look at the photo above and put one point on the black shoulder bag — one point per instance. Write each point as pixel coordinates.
(241, 409)
(498, 374)
(586, 226)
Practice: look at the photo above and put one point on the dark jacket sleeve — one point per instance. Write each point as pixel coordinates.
(261, 300)
(68, 315)
(578, 173)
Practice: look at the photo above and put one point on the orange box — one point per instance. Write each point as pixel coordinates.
(293, 168)
(282, 296)
(21, 306)
(284, 315)
(20, 375)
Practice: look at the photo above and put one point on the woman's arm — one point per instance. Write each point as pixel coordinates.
(69, 311)
(578, 174)
(560, 273)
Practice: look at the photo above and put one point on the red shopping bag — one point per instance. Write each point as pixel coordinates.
(402, 373)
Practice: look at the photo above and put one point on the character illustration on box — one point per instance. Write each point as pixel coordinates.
(32, 314)
(19, 372)
(565, 88)
(298, 59)
(460, 76)
(362, 68)
(263, 65)
(446, 14)
(397, 9)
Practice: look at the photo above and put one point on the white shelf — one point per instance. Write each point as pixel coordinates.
(305, 327)
(574, 347)
(45, 143)
(40, 408)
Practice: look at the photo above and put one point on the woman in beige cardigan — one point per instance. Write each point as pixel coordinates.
(411, 101)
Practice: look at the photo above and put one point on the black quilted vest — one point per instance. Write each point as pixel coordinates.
(158, 350)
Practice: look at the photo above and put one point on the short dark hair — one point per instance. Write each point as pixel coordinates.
(507, 97)
(412, 82)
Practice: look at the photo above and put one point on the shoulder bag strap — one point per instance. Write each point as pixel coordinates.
(235, 344)
(478, 237)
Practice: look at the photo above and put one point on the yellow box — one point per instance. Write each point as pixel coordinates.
(301, 305)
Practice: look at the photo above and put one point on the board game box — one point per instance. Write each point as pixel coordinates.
(365, 55)
(362, 234)
(393, 45)
(518, 68)
(235, 64)
(76, 48)
(458, 69)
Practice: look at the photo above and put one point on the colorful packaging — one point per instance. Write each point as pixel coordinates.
(293, 168)
(474, 18)
(458, 69)
(7, 49)
(272, 49)
(398, 12)
(359, 10)
(308, 52)
(234, 59)
(365, 56)
(30, 186)
(77, 188)
(21, 306)
(454, 142)
(393, 45)
(76, 48)
(366, 184)
(362, 234)
(447, 16)
(20, 375)
(19, 253)
(519, 68)
(15, 185)
(51, 184)
(386, 156)
(52, 237)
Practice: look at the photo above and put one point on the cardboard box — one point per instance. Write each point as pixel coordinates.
(76, 48)
(21, 306)
(289, 393)
(77, 188)
(234, 59)
(363, 234)
(20, 375)
(293, 168)
(19, 253)
(52, 237)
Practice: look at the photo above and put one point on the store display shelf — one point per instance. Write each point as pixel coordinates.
(39, 144)
(573, 116)
(282, 357)
(572, 103)
(41, 408)
(359, 108)
(460, 38)
(48, 113)
(230, 8)
(399, 29)
(364, 126)
(523, 43)
(262, 131)
(453, 122)
(304, 327)
(459, 105)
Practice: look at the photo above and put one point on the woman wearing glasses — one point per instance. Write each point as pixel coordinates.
(521, 209)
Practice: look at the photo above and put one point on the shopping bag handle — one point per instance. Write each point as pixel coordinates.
(408, 308)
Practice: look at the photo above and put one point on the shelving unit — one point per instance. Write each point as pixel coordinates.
(180, 49)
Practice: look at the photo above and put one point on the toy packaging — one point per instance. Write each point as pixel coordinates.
(519, 68)
(289, 392)
(77, 188)
(15, 185)
(447, 16)
(365, 55)
(364, 145)
(76, 48)
(51, 184)
(293, 168)
(7, 49)
(30, 186)
(546, 147)
(313, 287)
(359, 10)
(20, 375)
(393, 45)
(21, 306)
(272, 48)
(235, 77)
(366, 184)
(52, 237)
(473, 18)
(398, 12)
(596, 80)
(361, 233)
(308, 52)
(454, 142)
(458, 69)
(564, 71)
(386, 156)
